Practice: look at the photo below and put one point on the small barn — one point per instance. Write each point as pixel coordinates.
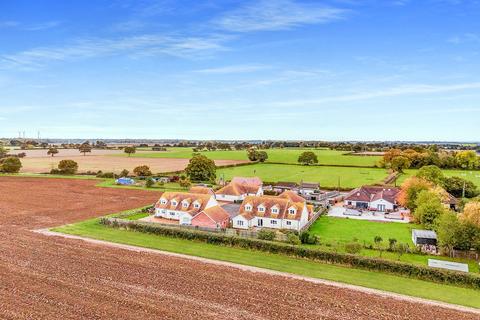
(424, 237)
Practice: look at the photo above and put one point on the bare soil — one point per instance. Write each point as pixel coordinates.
(45, 277)
(106, 163)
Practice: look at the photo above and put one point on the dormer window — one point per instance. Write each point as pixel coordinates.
(292, 211)
(185, 204)
(261, 209)
(174, 203)
(275, 210)
(248, 207)
(196, 205)
(163, 201)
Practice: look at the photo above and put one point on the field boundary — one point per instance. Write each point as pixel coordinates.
(241, 267)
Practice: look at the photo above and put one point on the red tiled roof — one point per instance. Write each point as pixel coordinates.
(179, 197)
(292, 196)
(269, 202)
(216, 213)
(372, 193)
(239, 188)
(201, 190)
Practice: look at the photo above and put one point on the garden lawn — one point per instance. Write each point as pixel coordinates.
(382, 281)
(472, 175)
(333, 231)
(344, 230)
(287, 155)
(328, 177)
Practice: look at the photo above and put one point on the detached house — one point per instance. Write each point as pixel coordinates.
(183, 206)
(239, 188)
(272, 212)
(383, 199)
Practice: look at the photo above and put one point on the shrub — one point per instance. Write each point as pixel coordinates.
(265, 234)
(67, 167)
(308, 238)
(353, 247)
(10, 165)
(292, 238)
(149, 183)
(108, 175)
(124, 173)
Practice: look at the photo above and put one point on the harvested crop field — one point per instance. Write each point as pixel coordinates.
(110, 164)
(56, 278)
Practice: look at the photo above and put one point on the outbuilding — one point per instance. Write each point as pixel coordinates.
(424, 237)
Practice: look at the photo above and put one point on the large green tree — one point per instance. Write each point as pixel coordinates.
(52, 151)
(201, 168)
(85, 147)
(129, 150)
(467, 159)
(307, 158)
(431, 173)
(142, 171)
(459, 187)
(429, 208)
(400, 163)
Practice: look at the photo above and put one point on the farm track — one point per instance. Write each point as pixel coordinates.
(45, 277)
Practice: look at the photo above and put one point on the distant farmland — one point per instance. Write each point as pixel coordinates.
(472, 175)
(330, 177)
(287, 155)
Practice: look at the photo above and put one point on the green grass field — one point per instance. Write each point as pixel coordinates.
(327, 176)
(472, 175)
(382, 281)
(339, 231)
(325, 156)
(345, 230)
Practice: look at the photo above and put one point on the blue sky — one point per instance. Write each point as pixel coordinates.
(227, 69)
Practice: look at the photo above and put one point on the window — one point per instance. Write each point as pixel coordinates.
(273, 222)
(289, 223)
(291, 211)
(185, 204)
(240, 222)
(172, 213)
(261, 209)
(164, 211)
(274, 210)
(248, 207)
(163, 201)
(174, 203)
(196, 205)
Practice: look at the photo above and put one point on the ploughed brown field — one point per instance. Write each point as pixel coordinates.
(106, 163)
(55, 278)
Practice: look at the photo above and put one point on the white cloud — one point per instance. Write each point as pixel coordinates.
(144, 45)
(243, 68)
(8, 24)
(277, 15)
(42, 26)
(467, 37)
(389, 92)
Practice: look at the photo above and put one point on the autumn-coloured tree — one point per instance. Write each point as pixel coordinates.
(410, 190)
(471, 213)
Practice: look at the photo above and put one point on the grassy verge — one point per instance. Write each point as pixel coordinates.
(387, 282)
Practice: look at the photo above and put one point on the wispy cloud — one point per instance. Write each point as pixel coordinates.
(465, 38)
(8, 24)
(389, 92)
(135, 46)
(29, 27)
(277, 15)
(243, 68)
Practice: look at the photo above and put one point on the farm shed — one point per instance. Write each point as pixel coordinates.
(424, 237)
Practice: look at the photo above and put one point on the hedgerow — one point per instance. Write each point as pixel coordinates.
(367, 263)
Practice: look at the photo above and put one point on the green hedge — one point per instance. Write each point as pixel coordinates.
(374, 264)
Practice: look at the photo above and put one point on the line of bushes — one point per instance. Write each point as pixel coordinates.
(323, 165)
(367, 263)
